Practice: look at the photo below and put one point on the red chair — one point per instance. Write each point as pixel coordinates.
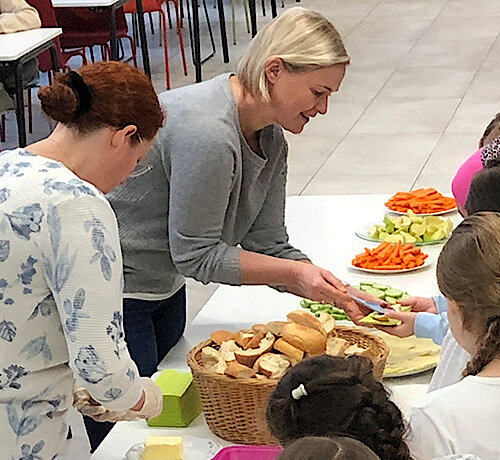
(87, 28)
(152, 6)
(48, 17)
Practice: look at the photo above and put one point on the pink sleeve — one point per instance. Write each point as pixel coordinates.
(461, 182)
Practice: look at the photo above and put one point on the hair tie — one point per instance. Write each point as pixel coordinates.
(299, 392)
(82, 90)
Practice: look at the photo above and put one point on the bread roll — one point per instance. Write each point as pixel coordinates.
(304, 338)
(291, 352)
(275, 327)
(356, 350)
(239, 371)
(213, 360)
(227, 350)
(248, 357)
(273, 366)
(327, 321)
(336, 346)
(243, 337)
(254, 342)
(307, 319)
(221, 336)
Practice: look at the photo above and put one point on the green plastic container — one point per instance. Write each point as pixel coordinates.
(181, 402)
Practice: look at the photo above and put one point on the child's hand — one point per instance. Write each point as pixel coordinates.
(420, 304)
(407, 326)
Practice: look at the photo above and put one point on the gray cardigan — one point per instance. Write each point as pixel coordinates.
(207, 194)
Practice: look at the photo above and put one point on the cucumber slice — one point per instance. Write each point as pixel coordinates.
(396, 293)
(405, 296)
(365, 283)
(376, 292)
(382, 287)
(391, 299)
(307, 303)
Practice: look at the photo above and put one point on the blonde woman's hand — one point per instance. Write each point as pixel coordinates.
(316, 283)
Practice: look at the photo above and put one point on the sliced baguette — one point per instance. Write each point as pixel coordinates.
(248, 357)
(336, 346)
(221, 336)
(239, 371)
(273, 366)
(327, 321)
(307, 319)
(291, 352)
(243, 337)
(356, 350)
(227, 350)
(275, 327)
(213, 360)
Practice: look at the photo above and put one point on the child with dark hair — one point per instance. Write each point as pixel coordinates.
(465, 417)
(484, 189)
(335, 448)
(333, 396)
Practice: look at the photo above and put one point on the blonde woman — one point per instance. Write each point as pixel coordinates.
(212, 207)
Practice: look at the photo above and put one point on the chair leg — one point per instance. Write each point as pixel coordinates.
(2, 130)
(151, 23)
(165, 47)
(169, 15)
(247, 14)
(233, 20)
(263, 8)
(133, 49)
(179, 32)
(91, 51)
(30, 112)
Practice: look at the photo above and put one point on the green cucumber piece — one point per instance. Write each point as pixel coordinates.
(396, 293)
(382, 287)
(390, 299)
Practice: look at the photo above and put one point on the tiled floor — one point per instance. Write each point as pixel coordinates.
(422, 86)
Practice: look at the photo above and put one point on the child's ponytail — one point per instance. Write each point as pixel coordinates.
(488, 349)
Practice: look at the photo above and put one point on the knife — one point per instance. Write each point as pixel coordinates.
(375, 306)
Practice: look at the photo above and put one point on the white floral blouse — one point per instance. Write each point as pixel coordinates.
(60, 304)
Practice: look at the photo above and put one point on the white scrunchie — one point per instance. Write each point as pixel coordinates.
(299, 392)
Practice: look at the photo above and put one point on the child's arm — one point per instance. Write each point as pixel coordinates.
(422, 323)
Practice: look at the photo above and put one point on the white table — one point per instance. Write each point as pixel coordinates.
(18, 48)
(323, 227)
(113, 5)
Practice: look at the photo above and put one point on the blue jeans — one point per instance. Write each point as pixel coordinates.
(152, 328)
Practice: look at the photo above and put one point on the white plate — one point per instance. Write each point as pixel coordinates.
(194, 449)
(363, 234)
(427, 262)
(440, 213)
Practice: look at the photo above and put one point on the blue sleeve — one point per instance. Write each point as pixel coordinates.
(83, 266)
(441, 303)
(432, 326)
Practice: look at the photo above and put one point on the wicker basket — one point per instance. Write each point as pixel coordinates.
(235, 408)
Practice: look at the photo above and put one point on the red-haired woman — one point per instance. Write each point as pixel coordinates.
(60, 260)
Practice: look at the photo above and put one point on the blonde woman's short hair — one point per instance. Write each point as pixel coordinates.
(304, 39)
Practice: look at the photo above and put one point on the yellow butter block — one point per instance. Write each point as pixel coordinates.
(163, 448)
